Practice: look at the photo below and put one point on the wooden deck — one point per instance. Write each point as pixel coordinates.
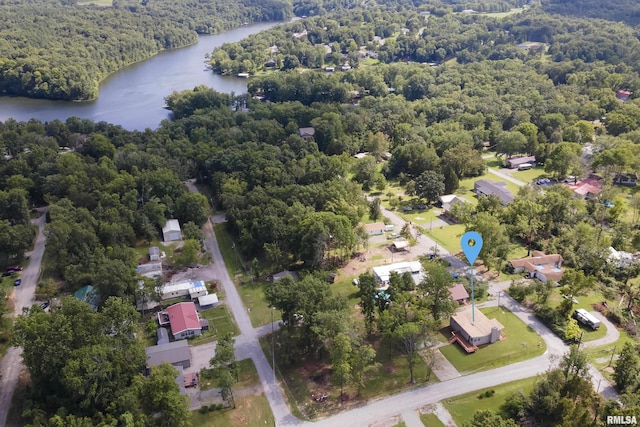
(466, 345)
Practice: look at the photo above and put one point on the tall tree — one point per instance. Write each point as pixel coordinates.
(367, 293)
(435, 288)
(225, 367)
(341, 360)
(429, 186)
(627, 368)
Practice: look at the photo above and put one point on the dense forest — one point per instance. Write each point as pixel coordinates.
(62, 50)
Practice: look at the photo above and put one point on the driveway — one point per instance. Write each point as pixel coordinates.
(11, 364)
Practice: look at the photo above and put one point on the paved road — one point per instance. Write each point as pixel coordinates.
(11, 364)
(506, 177)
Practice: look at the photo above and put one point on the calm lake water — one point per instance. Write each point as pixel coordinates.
(134, 96)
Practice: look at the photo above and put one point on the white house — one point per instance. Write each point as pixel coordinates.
(171, 231)
(383, 272)
(375, 228)
(154, 253)
(183, 289)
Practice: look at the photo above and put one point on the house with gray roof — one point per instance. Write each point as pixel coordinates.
(484, 187)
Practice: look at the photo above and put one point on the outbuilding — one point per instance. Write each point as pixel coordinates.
(171, 231)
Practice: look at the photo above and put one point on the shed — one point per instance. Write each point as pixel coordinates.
(459, 293)
(279, 276)
(306, 133)
(375, 228)
(154, 253)
(208, 301)
(171, 231)
(400, 245)
(176, 353)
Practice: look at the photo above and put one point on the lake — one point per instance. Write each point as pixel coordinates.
(133, 97)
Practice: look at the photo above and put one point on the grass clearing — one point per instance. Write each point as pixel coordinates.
(250, 411)
(234, 264)
(464, 406)
(220, 323)
(431, 420)
(603, 358)
(447, 236)
(521, 343)
(530, 175)
(101, 3)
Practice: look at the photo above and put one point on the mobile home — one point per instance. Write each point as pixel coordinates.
(586, 318)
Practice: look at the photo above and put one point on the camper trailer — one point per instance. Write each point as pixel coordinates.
(586, 318)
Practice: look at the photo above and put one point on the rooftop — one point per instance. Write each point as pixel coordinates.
(183, 316)
(383, 272)
(173, 352)
(458, 292)
(480, 327)
(499, 189)
(171, 225)
(549, 265)
(376, 226)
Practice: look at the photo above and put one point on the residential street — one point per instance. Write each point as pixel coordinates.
(11, 364)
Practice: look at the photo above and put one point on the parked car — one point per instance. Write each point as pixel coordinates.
(15, 268)
(44, 305)
(7, 273)
(18, 282)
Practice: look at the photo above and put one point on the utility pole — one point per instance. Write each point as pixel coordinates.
(612, 354)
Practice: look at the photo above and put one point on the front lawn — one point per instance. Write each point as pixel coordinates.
(252, 294)
(230, 254)
(520, 343)
(220, 324)
(250, 411)
(464, 406)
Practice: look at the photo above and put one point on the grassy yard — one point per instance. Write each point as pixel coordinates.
(600, 357)
(530, 175)
(252, 294)
(464, 406)
(421, 217)
(431, 420)
(400, 424)
(466, 186)
(521, 343)
(141, 250)
(250, 411)
(248, 377)
(220, 324)
(447, 236)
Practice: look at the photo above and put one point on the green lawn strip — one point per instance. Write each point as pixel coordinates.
(464, 406)
(252, 294)
(248, 377)
(447, 236)
(220, 324)
(250, 411)
(141, 250)
(521, 343)
(421, 217)
(400, 424)
(529, 176)
(230, 255)
(431, 420)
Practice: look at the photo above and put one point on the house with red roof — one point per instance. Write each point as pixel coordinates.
(184, 320)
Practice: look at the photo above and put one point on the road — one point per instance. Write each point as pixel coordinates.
(246, 344)
(11, 364)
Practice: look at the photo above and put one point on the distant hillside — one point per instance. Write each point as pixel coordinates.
(627, 11)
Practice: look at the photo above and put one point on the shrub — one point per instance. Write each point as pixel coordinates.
(204, 409)
(552, 319)
(519, 292)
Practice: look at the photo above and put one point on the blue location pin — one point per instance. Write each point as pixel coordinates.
(471, 243)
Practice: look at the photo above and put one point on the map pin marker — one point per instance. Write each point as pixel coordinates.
(471, 243)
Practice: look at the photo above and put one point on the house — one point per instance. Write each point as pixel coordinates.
(587, 188)
(89, 295)
(626, 179)
(447, 201)
(183, 289)
(154, 253)
(515, 162)
(382, 273)
(620, 259)
(270, 63)
(484, 187)
(243, 75)
(375, 229)
(540, 266)
(279, 276)
(184, 320)
(623, 95)
(459, 293)
(171, 231)
(345, 67)
(150, 270)
(208, 301)
(176, 353)
(329, 69)
(306, 133)
(471, 328)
